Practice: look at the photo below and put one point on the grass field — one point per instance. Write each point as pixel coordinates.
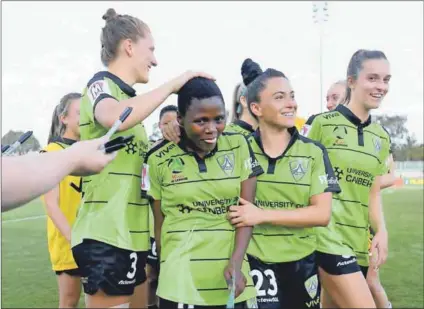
(28, 282)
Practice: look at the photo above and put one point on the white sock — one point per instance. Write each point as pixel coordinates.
(389, 305)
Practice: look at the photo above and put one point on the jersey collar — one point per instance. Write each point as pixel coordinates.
(294, 137)
(352, 117)
(127, 89)
(244, 125)
(64, 140)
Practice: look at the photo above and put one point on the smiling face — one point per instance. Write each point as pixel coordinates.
(372, 83)
(71, 118)
(277, 106)
(142, 56)
(203, 123)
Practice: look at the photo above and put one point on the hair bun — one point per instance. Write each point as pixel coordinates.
(109, 15)
(249, 71)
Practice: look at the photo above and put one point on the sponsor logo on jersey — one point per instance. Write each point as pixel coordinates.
(331, 115)
(340, 133)
(131, 148)
(299, 168)
(305, 130)
(377, 143)
(226, 162)
(185, 209)
(311, 286)
(165, 151)
(176, 165)
(96, 89)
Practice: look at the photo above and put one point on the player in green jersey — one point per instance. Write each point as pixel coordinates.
(166, 115)
(242, 121)
(292, 196)
(192, 184)
(359, 152)
(110, 237)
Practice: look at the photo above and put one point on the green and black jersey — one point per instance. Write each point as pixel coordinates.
(358, 152)
(288, 182)
(197, 239)
(240, 126)
(112, 210)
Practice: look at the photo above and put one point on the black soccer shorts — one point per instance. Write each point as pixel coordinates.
(114, 270)
(286, 285)
(337, 265)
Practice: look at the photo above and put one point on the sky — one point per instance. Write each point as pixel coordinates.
(52, 48)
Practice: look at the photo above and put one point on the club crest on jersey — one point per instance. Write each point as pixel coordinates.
(298, 168)
(340, 133)
(176, 165)
(377, 143)
(226, 162)
(311, 286)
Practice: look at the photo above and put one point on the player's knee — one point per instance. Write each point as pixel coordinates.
(69, 300)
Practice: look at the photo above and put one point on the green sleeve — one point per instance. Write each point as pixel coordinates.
(323, 178)
(151, 185)
(313, 130)
(250, 166)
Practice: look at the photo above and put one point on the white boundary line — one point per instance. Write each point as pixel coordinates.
(23, 219)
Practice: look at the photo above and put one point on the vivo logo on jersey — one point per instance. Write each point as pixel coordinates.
(313, 303)
(332, 115)
(162, 153)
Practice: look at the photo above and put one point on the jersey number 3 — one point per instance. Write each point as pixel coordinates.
(133, 270)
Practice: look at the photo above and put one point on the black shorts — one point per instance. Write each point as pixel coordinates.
(337, 265)
(114, 270)
(152, 257)
(286, 285)
(168, 304)
(364, 270)
(71, 272)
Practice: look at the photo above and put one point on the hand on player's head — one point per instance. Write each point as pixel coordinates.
(89, 158)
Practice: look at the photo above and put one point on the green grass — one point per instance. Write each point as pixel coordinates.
(29, 282)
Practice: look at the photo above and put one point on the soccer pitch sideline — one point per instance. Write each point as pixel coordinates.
(28, 282)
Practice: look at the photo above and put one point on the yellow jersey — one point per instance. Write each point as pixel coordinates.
(299, 122)
(69, 200)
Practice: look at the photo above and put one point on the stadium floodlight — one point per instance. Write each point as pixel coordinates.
(320, 16)
(7, 150)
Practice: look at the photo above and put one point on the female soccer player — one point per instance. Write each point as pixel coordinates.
(192, 184)
(110, 237)
(335, 94)
(292, 196)
(62, 203)
(243, 122)
(358, 150)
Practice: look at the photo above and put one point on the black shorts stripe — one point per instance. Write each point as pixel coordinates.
(285, 183)
(347, 149)
(201, 230)
(124, 174)
(348, 201)
(199, 180)
(354, 226)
